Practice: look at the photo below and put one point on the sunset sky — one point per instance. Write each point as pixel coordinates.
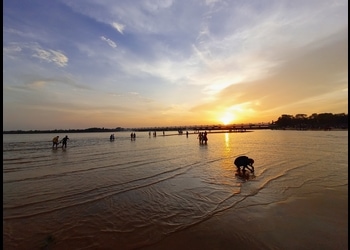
(75, 64)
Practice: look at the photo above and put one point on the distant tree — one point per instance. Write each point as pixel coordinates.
(300, 116)
(315, 121)
(285, 120)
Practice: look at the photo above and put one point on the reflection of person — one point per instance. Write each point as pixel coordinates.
(55, 141)
(245, 162)
(243, 175)
(64, 141)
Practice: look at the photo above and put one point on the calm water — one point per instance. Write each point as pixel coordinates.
(161, 192)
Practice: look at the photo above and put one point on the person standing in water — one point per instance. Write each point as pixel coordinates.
(111, 138)
(64, 141)
(55, 141)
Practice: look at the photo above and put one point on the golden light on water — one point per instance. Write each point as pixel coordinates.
(227, 141)
(227, 153)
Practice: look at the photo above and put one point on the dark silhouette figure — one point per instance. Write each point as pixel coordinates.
(55, 141)
(245, 162)
(205, 138)
(199, 137)
(202, 136)
(64, 141)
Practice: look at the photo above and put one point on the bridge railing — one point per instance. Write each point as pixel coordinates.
(207, 127)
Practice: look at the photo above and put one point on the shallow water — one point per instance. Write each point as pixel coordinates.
(153, 191)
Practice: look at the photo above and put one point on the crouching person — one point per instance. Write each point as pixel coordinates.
(244, 162)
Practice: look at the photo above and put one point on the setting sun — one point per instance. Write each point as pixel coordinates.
(227, 118)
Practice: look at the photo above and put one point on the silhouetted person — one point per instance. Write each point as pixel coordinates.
(204, 137)
(55, 141)
(199, 137)
(64, 141)
(245, 162)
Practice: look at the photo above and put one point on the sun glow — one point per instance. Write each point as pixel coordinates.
(227, 118)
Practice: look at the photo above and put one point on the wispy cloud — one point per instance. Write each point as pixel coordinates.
(109, 41)
(35, 50)
(56, 57)
(119, 27)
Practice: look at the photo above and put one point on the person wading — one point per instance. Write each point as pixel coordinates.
(64, 141)
(55, 141)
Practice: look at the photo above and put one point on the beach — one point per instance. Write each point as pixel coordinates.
(288, 225)
(170, 192)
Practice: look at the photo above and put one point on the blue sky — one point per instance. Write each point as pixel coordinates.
(110, 63)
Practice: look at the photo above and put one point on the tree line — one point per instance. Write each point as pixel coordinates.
(324, 121)
(88, 130)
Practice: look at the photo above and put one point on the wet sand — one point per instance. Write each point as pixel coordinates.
(319, 221)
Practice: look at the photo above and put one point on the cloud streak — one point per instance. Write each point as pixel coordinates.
(109, 42)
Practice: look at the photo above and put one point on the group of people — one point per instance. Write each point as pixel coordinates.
(55, 142)
(203, 138)
(240, 162)
(154, 133)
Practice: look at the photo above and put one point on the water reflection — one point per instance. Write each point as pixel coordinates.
(227, 149)
(227, 140)
(98, 194)
(244, 175)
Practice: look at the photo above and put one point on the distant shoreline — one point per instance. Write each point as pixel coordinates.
(315, 122)
(192, 131)
(160, 132)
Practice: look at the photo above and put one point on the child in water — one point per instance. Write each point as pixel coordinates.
(64, 141)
